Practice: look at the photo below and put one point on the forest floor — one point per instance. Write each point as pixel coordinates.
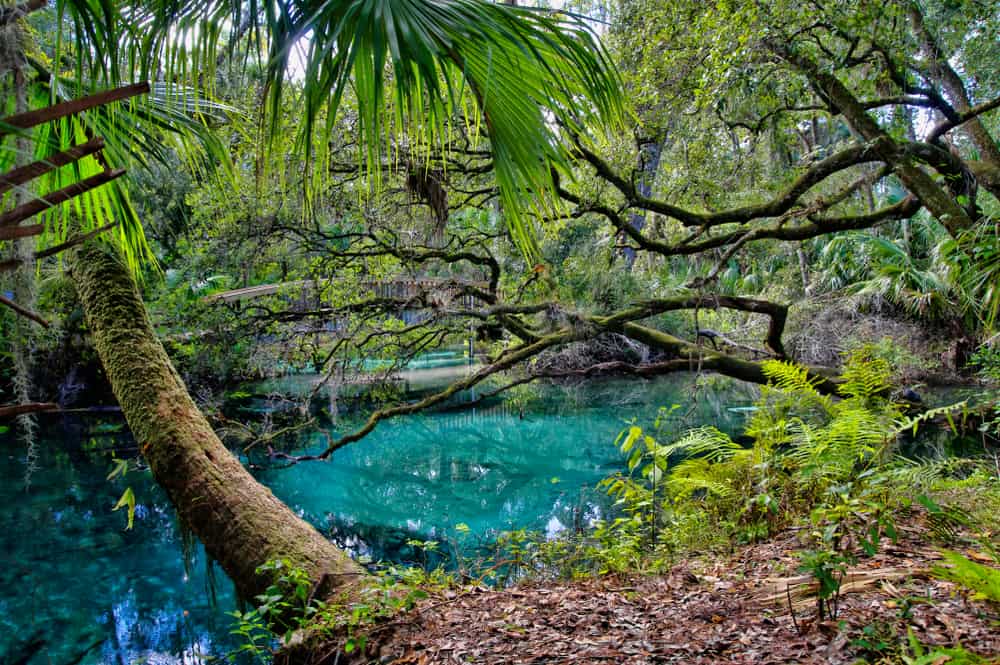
(725, 609)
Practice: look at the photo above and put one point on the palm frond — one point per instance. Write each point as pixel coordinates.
(136, 133)
(522, 73)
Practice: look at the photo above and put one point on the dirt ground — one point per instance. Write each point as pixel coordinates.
(736, 609)
(820, 331)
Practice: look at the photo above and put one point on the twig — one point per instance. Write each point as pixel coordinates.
(23, 311)
(791, 609)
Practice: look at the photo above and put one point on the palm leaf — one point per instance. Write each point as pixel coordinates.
(522, 73)
(136, 133)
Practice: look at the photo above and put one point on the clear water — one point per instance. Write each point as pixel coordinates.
(77, 588)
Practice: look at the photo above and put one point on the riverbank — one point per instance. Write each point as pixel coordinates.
(748, 607)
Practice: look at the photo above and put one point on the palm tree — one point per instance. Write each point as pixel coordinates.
(434, 61)
(522, 73)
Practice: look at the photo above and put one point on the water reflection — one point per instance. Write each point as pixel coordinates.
(78, 588)
(490, 469)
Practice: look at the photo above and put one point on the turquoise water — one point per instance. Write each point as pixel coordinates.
(489, 469)
(78, 588)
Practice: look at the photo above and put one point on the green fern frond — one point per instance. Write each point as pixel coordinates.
(790, 377)
(982, 580)
(925, 474)
(698, 474)
(949, 411)
(835, 450)
(945, 522)
(707, 443)
(865, 374)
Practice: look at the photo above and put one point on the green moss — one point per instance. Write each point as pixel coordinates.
(240, 522)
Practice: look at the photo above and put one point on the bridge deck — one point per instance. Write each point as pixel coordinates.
(410, 286)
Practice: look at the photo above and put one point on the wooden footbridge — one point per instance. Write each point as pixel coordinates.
(397, 288)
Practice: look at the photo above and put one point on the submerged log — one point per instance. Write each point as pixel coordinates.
(240, 522)
(11, 410)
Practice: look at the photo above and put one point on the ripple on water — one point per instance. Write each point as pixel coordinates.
(78, 588)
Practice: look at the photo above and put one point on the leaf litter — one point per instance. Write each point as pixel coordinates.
(729, 609)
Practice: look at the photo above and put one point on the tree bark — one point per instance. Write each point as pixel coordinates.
(941, 71)
(649, 163)
(240, 522)
(840, 100)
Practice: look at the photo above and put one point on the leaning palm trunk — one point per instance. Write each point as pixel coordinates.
(240, 522)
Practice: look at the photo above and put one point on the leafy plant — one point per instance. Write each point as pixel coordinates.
(918, 654)
(256, 640)
(828, 568)
(287, 603)
(288, 606)
(982, 580)
(127, 499)
(878, 640)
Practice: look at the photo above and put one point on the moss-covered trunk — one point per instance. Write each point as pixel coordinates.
(240, 522)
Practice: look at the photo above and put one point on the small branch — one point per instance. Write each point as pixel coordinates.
(12, 264)
(74, 241)
(776, 312)
(22, 311)
(780, 204)
(946, 126)
(509, 359)
(791, 609)
(31, 208)
(11, 410)
(713, 336)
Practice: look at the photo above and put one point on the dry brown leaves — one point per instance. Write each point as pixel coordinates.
(721, 612)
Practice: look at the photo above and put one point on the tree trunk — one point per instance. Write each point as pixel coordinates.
(649, 164)
(240, 522)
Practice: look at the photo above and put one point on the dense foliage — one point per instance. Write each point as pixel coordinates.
(754, 189)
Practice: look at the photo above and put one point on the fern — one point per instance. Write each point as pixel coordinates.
(705, 442)
(694, 475)
(925, 475)
(791, 394)
(945, 522)
(983, 580)
(790, 378)
(865, 375)
(850, 441)
(834, 459)
(930, 414)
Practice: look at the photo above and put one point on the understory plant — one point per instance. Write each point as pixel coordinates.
(810, 451)
(832, 462)
(288, 607)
